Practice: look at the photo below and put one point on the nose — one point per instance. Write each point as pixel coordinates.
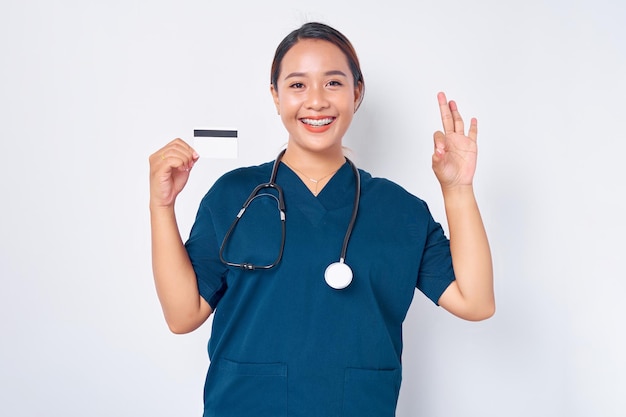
(316, 98)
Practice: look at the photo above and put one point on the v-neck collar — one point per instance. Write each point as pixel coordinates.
(337, 193)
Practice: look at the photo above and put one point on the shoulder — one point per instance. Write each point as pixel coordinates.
(386, 191)
(233, 184)
(244, 175)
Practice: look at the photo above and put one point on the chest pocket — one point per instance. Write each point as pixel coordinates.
(247, 389)
(371, 392)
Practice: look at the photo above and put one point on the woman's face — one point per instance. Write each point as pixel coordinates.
(315, 95)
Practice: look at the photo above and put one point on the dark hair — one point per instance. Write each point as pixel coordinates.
(316, 30)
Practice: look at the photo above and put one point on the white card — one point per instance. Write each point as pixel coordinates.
(215, 143)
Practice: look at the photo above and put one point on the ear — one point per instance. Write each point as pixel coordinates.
(358, 95)
(275, 97)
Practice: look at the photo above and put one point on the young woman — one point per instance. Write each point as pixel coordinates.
(309, 300)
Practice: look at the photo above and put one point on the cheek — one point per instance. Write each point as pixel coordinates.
(288, 103)
(349, 108)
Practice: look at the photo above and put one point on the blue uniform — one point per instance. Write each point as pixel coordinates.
(283, 342)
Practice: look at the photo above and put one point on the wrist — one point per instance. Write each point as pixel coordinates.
(459, 190)
(458, 195)
(159, 209)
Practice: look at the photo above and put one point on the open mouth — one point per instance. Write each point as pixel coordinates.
(318, 122)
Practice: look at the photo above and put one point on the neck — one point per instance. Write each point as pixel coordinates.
(315, 170)
(313, 165)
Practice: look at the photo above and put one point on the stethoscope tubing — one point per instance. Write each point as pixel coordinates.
(281, 206)
(355, 211)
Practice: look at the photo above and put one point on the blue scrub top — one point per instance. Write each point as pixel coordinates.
(283, 342)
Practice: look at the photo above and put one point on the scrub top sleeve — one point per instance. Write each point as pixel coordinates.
(203, 250)
(436, 272)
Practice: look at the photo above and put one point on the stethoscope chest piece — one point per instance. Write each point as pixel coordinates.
(338, 275)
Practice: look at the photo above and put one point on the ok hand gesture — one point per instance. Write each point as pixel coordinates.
(454, 158)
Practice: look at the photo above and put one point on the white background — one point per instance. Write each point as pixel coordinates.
(89, 89)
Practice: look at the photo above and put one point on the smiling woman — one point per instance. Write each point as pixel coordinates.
(316, 98)
(276, 327)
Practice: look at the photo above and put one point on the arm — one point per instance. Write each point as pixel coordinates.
(471, 295)
(183, 307)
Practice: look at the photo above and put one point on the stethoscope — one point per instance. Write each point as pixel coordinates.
(337, 275)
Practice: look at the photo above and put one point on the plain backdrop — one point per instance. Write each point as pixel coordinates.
(89, 89)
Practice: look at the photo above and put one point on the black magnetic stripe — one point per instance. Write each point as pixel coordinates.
(215, 133)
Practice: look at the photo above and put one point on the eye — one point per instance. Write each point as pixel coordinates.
(335, 83)
(296, 85)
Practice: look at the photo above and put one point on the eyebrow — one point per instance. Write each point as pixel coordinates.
(327, 73)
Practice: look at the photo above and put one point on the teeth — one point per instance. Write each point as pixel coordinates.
(318, 122)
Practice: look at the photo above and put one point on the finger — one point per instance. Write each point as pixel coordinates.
(473, 130)
(439, 140)
(160, 154)
(177, 157)
(456, 117)
(446, 115)
(177, 149)
(184, 147)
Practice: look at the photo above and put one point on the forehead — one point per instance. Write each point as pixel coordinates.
(309, 55)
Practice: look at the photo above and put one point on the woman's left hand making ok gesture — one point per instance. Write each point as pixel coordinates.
(471, 295)
(454, 157)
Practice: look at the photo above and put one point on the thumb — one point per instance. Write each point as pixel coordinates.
(439, 142)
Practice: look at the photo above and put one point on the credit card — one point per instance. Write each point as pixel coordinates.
(215, 143)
